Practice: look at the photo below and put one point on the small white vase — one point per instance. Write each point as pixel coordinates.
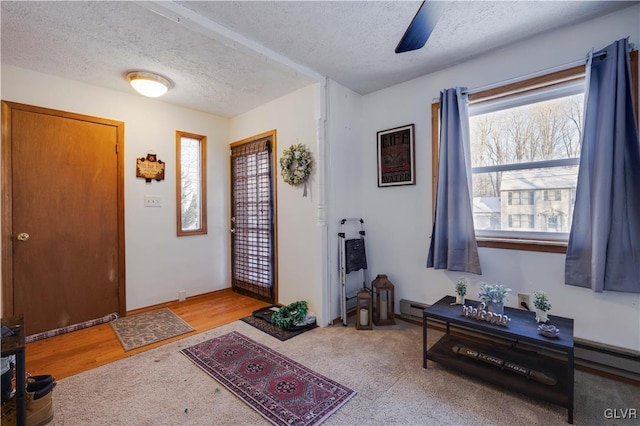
(541, 316)
(496, 308)
(459, 299)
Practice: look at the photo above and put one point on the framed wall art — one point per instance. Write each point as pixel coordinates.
(396, 156)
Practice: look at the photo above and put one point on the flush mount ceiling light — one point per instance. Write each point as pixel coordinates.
(148, 84)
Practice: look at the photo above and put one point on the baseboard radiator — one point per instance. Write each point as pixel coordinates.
(610, 359)
(592, 355)
(412, 310)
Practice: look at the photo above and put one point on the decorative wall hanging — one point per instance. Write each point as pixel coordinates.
(295, 165)
(150, 167)
(396, 156)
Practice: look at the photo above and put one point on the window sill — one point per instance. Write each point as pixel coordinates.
(523, 244)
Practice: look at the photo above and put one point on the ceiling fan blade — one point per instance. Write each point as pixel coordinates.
(418, 31)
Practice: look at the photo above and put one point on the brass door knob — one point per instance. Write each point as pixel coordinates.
(23, 236)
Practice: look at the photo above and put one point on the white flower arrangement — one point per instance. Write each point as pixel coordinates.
(295, 164)
(495, 293)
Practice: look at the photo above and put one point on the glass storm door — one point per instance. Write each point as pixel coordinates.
(252, 217)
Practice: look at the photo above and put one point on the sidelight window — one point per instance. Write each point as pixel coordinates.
(191, 172)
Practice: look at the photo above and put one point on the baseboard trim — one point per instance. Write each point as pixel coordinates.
(176, 301)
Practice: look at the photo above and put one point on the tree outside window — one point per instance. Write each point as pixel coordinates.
(191, 184)
(524, 154)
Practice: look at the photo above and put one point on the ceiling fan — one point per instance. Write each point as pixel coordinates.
(418, 31)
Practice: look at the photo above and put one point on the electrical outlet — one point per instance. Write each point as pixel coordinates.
(182, 295)
(523, 300)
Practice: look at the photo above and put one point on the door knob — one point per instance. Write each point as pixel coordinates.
(23, 236)
(232, 230)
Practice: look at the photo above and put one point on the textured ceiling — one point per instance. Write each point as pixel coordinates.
(228, 57)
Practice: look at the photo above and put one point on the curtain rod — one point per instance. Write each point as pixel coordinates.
(531, 75)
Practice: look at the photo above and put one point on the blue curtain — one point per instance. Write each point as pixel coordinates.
(604, 245)
(453, 241)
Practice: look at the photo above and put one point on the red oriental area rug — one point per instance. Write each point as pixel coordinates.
(282, 390)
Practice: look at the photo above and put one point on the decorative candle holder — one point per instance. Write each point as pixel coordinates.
(383, 301)
(364, 310)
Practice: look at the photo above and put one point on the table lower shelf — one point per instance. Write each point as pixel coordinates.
(514, 369)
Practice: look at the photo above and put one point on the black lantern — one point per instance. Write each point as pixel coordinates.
(364, 310)
(383, 301)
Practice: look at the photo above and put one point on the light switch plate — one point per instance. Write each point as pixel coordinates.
(150, 201)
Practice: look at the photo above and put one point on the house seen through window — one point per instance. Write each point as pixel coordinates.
(525, 151)
(525, 144)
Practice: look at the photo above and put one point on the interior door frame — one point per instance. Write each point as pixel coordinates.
(7, 239)
(274, 190)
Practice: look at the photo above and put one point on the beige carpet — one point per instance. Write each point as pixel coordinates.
(148, 327)
(384, 367)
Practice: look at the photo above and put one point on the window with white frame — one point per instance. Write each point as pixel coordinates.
(553, 195)
(525, 150)
(520, 197)
(521, 221)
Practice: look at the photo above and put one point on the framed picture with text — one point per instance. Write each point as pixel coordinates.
(396, 156)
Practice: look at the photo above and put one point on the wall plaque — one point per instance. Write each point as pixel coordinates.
(150, 167)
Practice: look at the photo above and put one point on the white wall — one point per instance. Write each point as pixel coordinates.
(158, 264)
(344, 183)
(297, 118)
(399, 218)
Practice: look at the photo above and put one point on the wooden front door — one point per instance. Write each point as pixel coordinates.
(253, 217)
(62, 217)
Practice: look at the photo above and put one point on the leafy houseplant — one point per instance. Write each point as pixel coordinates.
(461, 290)
(494, 295)
(542, 305)
(290, 315)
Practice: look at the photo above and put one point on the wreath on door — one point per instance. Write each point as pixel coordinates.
(295, 165)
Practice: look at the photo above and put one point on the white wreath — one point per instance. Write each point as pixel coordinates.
(295, 164)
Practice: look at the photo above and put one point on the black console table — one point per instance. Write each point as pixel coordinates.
(515, 357)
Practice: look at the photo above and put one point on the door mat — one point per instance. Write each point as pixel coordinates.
(149, 327)
(261, 319)
(280, 389)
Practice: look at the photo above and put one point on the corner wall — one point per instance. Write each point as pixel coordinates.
(400, 217)
(344, 183)
(297, 118)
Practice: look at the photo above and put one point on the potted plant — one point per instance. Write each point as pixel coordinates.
(461, 290)
(494, 295)
(542, 305)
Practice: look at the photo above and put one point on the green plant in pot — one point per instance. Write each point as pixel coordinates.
(461, 290)
(542, 305)
(290, 315)
(494, 295)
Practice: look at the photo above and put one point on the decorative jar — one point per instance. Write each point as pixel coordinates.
(541, 316)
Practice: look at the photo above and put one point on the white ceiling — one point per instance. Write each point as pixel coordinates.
(227, 57)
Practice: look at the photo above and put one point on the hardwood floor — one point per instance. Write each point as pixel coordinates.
(82, 350)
